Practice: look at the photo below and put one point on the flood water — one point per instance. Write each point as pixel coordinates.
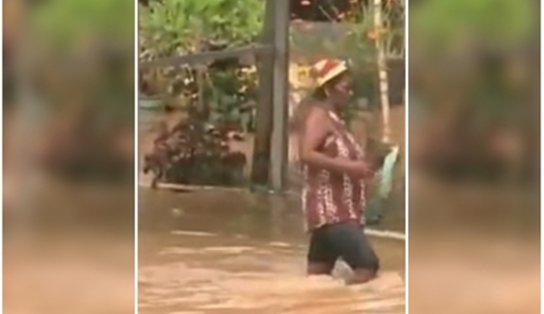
(222, 251)
(233, 251)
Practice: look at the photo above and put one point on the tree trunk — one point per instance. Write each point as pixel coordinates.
(382, 72)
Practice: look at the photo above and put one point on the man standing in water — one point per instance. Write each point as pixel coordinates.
(334, 174)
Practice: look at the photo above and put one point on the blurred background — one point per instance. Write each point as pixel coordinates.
(68, 112)
(474, 156)
(68, 118)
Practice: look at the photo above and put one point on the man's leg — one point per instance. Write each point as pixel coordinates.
(354, 247)
(319, 268)
(362, 275)
(321, 258)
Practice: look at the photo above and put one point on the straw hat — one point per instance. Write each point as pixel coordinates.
(328, 69)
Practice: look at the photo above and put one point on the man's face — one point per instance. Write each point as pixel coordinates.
(342, 91)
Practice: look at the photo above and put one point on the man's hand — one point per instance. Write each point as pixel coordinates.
(358, 169)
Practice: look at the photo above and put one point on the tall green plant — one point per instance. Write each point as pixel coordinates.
(180, 26)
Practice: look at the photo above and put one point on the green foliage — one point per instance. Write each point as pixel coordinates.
(442, 23)
(231, 95)
(97, 37)
(65, 22)
(180, 26)
(177, 27)
(391, 33)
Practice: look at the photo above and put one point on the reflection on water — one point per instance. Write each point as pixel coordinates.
(221, 251)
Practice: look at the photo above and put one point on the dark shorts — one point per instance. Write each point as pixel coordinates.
(344, 240)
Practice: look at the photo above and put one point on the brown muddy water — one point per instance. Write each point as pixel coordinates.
(68, 247)
(220, 251)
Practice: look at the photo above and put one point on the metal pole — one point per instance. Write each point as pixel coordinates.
(280, 96)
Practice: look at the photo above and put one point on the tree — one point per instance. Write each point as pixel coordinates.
(387, 32)
(382, 71)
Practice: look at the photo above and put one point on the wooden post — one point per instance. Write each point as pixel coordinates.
(263, 128)
(202, 107)
(280, 95)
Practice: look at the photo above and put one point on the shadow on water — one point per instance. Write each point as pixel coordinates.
(223, 251)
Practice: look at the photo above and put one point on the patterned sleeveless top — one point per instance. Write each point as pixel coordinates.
(329, 197)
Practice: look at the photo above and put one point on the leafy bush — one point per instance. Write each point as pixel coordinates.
(177, 27)
(172, 27)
